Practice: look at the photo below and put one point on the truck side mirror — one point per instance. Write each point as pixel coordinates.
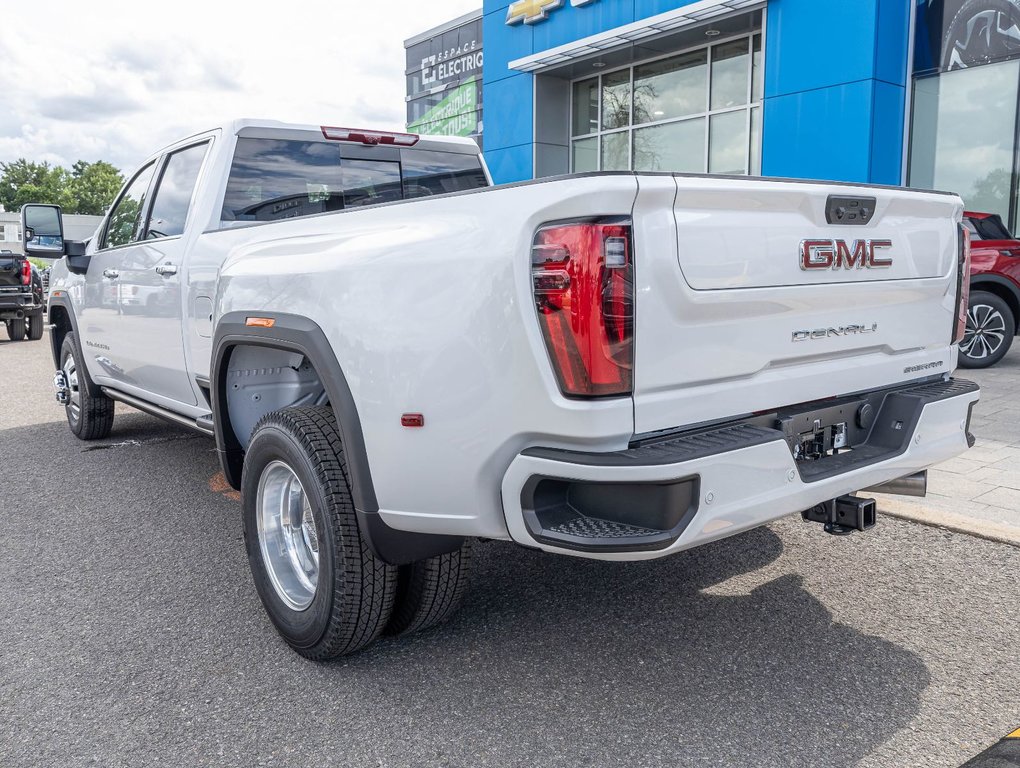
(42, 230)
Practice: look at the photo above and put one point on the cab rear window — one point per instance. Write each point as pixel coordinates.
(273, 179)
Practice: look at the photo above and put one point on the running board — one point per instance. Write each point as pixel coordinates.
(202, 425)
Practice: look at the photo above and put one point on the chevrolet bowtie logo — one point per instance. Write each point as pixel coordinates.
(531, 11)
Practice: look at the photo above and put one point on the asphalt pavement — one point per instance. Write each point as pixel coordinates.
(132, 635)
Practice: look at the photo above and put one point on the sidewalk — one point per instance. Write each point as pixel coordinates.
(980, 490)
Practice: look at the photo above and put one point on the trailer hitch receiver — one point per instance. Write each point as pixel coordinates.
(844, 515)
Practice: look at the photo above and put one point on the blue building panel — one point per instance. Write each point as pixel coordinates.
(510, 103)
(502, 45)
(887, 133)
(510, 164)
(836, 74)
(822, 133)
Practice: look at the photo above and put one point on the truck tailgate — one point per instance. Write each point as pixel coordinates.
(759, 302)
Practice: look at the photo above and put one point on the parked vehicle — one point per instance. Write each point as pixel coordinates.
(21, 297)
(994, 309)
(394, 358)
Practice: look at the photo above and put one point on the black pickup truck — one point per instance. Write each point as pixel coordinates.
(21, 297)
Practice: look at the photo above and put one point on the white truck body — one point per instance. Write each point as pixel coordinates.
(428, 307)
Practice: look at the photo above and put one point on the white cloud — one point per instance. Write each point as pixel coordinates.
(112, 82)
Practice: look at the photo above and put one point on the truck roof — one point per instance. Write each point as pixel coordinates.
(248, 126)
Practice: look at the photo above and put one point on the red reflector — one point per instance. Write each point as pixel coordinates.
(962, 286)
(582, 278)
(369, 137)
(412, 420)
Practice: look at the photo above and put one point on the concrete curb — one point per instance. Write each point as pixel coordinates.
(918, 513)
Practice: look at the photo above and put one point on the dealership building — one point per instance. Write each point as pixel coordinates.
(917, 92)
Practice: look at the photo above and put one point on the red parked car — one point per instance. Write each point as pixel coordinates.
(994, 307)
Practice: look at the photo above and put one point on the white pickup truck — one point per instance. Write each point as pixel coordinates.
(395, 357)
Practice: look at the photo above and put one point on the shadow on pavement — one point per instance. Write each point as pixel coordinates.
(133, 629)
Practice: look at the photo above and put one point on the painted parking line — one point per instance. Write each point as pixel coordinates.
(1005, 754)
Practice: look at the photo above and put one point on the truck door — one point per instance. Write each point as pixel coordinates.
(142, 301)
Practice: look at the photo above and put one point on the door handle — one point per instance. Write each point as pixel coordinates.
(166, 269)
(111, 273)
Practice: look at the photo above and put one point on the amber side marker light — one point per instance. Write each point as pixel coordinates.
(412, 420)
(260, 322)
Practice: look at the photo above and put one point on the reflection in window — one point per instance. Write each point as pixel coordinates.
(674, 147)
(370, 182)
(692, 112)
(616, 100)
(436, 173)
(125, 219)
(729, 74)
(616, 151)
(586, 107)
(727, 142)
(173, 195)
(585, 155)
(673, 87)
(952, 151)
(279, 179)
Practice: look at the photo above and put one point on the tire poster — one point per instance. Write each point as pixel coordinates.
(957, 34)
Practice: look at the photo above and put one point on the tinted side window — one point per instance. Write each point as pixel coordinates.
(435, 173)
(279, 179)
(125, 219)
(173, 195)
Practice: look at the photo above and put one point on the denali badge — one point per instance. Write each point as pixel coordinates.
(836, 254)
(843, 330)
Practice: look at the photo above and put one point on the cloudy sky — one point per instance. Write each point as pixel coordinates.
(115, 81)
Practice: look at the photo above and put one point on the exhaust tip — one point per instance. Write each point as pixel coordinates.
(908, 485)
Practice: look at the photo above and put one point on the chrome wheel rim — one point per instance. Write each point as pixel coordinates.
(73, 389)
(288, 537)
(985, 332)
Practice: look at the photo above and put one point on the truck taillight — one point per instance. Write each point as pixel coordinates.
(962, 285)
(583, 280)
(26, 272)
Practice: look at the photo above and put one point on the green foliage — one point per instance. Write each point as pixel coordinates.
(94, 185)
(88, 188)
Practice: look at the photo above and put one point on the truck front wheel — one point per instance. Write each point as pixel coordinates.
(89, 411)
(321, 584)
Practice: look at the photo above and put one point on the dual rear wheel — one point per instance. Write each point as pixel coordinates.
(322, 585)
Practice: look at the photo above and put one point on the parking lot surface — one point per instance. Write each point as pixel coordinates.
(132, 635)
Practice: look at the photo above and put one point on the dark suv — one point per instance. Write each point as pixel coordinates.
(994, 308)
(21, 297)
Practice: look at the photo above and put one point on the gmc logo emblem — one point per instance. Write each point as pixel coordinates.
(838, 254)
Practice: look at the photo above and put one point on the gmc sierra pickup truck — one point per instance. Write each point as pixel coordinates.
(21, 297)
(395, 357)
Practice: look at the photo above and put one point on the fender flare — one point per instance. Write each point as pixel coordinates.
(64, 303)
(295, 333)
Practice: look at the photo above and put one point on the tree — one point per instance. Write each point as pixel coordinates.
(93, 186)
(24, 182)
(89, 188)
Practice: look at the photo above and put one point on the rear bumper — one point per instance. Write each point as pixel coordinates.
(15, 305)
(694, 488)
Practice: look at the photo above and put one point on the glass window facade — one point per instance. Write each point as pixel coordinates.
(697, 111)
(444, 82)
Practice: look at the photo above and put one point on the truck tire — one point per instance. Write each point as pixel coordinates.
(16, 329)
(430, 591)
(321, 584)
(89, 411)
(35, 326)
(990, 330)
